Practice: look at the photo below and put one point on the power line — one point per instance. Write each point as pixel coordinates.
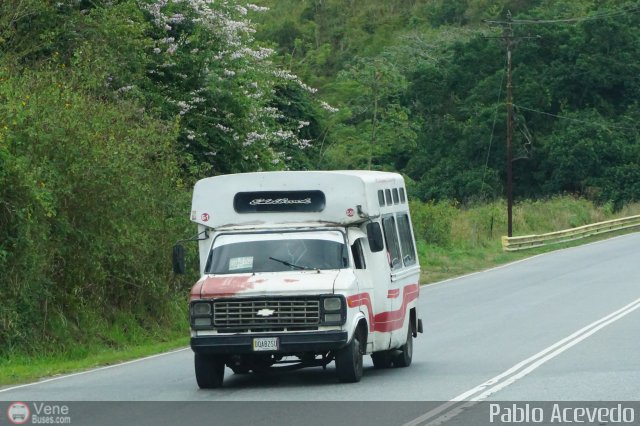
(606, 126)
(508, 38)
(620, 12)
(493, 128)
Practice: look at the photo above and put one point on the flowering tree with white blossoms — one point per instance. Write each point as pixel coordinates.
(223, 88)
(108, 108)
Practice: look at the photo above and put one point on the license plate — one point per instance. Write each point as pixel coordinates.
(266, 344)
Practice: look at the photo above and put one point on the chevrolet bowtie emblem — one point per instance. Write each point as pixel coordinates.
(265, 312)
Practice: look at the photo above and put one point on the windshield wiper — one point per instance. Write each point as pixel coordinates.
(289, 264)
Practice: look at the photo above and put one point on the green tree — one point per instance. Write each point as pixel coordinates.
(89, 190)
(108, 112)
(383, 135)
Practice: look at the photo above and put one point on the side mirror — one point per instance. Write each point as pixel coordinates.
(178, 259)
(374, 234)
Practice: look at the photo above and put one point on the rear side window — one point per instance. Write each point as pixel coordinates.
(391, 239)
(406, 242)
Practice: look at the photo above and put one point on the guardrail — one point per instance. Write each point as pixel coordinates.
(531, 241)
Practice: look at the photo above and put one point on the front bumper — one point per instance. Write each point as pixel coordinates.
(317, 341)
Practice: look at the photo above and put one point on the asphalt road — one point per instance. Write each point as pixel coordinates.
(563, 326)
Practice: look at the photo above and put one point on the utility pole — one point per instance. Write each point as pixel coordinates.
(508, 37)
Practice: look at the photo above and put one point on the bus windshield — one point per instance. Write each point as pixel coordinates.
(276, 252)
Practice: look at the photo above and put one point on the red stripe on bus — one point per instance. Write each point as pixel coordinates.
(393, 294)
(390, 320)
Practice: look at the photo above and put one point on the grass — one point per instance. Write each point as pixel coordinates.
(24, 368)
(93, 340)
(439, 263)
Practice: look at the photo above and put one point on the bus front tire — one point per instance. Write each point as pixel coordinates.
(349, 361)
(209, 371)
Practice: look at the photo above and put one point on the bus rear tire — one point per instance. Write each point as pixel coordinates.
(403, 359)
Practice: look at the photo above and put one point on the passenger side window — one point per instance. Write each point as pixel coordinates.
(406, 242)
(391, 239)
(358, 254)
(387, 193)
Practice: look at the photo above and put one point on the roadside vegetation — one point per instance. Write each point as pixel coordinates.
(110, 110)
(454, 240)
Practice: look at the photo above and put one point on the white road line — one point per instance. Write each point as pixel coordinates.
(620, 314)
(93, 370)
(518, 371)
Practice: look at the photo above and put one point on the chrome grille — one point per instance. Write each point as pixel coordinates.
(287, 313)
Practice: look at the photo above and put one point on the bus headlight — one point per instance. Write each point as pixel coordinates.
(201, 314)
(334, 310)
(332, 304)
(201, 308)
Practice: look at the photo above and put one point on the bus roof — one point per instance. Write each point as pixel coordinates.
(296, 197)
